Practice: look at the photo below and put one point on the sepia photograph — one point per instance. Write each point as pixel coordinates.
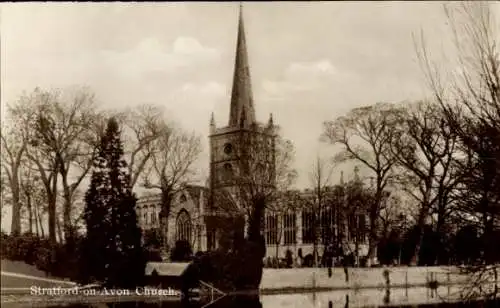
(252, 154)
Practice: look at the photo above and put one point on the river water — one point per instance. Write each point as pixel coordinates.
(442, 297)
(276, 301)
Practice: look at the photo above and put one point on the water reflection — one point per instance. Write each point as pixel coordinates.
(414, 297)
(279, 301)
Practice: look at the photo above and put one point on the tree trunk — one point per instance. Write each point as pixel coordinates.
(278, 239)
(420, 236)
(255, 222)
(316, 231)
(373, 238)
(67, 225)
(16, 205)
(356, 241)
(373, 234)
(30, 213)
(60, 234)
(315, 253)
(40, 221)
(166, 201)
(439, 230)
(36, 218)
(52, 217)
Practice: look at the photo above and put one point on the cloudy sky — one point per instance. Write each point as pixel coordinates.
(310, 62)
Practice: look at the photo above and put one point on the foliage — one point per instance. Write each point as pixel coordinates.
(230, 271)
(112, 250)
(55, 259)
(153, 254)
(181, 252)
(390, 248)
(152, 238)
(468, 245)
(289, 258)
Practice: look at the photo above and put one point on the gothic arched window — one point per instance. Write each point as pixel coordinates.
(183, 227)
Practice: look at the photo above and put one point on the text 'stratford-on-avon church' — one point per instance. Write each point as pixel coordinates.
(195, 209)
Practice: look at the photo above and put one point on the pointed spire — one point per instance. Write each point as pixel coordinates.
(212, 124)
(341, 177)
(271, 122)
(241, 97)
(212, 119)
(243, 119)
(356, 174)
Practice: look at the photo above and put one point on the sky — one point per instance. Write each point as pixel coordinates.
(309, 61)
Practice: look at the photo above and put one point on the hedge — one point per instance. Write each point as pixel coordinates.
(239, 269)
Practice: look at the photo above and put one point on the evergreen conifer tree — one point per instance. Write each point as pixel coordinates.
(112, 250)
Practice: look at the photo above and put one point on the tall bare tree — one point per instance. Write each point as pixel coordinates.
(425, 148)
(47, 168)
(171, 166)
(36, 201)
(13, 149)
(28, 185)
(320, 178)
(469, 93)
(64, 131)
(14, 143)
(142, 126)
(365, 134)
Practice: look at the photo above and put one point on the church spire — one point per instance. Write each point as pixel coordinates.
(212, 124)
(242, 112)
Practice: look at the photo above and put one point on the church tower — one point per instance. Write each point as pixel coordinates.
(229, 146)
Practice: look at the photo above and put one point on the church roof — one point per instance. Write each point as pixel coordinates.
(194, 192)
(166, 269)
(242, 112)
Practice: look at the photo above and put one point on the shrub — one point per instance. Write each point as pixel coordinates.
(153, 255)
(28, 246)
(152, 238)
(52, 258)
(229, 271)
(289, 258)
(308, 261)
(181, 252)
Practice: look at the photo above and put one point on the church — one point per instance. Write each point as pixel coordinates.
(239, 150)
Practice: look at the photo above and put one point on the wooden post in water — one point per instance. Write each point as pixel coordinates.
(406, 284)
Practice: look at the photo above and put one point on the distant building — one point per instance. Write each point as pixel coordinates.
(195, 211)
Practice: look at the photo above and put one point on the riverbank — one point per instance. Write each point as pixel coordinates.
(318, 279)
(368, 298)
